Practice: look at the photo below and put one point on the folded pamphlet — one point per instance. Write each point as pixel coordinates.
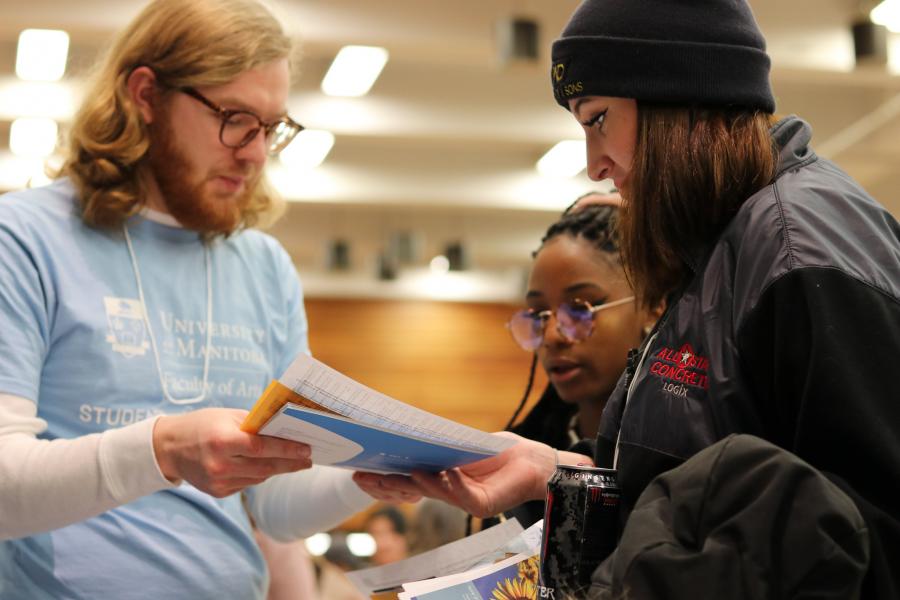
(350, 425)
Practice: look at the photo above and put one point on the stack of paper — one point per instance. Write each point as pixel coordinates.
(350, 425)
(515, 578)
(502, 558)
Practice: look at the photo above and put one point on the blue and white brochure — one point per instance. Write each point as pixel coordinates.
(342, 442)
(350, 425)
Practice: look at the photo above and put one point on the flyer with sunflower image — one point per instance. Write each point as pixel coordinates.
(515, 578)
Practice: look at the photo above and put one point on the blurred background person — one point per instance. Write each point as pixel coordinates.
(388, 526)
(435, 523)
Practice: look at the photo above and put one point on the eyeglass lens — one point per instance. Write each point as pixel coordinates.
(573, 321)
(240, 128)
(280, 136)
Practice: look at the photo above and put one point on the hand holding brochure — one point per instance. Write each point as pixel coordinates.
(350, 425)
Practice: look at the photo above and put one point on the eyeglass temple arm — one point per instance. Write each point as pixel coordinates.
(612, 304)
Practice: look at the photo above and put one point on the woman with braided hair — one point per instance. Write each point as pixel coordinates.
(580, 322)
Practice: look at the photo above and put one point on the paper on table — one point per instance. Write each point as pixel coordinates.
(450, 558)
(414, 588)
(311, 383)
(514, 577)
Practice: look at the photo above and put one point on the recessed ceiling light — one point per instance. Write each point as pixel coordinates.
(439, 265)
(566, 159)
(888, 14)
(42, 54)
(308, 149)
(51, 100)
(33, 137)
(361, 544)
(318, 543)
(354, 70)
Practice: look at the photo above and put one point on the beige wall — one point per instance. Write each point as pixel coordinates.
(454, 359)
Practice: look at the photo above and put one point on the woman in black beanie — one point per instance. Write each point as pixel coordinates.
(782, 278)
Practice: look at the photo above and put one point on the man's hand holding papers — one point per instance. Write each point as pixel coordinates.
(349, 425)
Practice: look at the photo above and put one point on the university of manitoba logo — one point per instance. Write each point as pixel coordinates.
(680, 369)
(125, 326)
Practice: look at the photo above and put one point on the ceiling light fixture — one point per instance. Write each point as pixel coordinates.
(888, 14)
(361, 544)
(566, 159)
(41, 54)
(354, 70)
(17, 172)
(308, 150)
(318, 543)
(51, 100)
(33, 137)
(439, 265)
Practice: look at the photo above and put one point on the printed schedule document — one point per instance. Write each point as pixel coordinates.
(350, 425)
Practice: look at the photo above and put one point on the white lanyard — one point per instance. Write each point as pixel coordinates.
(634, 377)
(140, 288)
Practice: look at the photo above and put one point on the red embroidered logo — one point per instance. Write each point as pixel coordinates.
(680, 367)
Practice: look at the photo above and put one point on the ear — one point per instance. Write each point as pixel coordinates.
(658, 310)
(141, 87)
(653, 316)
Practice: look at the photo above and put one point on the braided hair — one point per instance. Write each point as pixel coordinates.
(593, 222)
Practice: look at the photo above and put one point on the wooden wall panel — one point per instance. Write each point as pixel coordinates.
(453, 359)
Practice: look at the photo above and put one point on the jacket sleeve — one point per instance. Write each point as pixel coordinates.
(820, 352)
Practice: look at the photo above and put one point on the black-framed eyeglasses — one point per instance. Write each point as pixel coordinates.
(574, 321)
(239, 127)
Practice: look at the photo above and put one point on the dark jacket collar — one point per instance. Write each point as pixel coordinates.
(791, 136)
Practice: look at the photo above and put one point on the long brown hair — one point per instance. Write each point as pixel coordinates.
(692, 170)
(190, 43)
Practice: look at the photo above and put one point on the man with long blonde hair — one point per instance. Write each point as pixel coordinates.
(140, 318)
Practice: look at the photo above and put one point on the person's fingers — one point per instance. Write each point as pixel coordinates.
(473, 499)
(388, 488)
(263, 446)
(453, 488)
(367, 483)
(434, 485)
(263, 468)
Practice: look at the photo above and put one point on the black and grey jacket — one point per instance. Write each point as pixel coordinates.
(789, 331)
(740, 520)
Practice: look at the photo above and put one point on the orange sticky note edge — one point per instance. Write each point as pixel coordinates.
(271, 401)
(275, 396)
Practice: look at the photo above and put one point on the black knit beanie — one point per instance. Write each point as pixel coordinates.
(690, 52)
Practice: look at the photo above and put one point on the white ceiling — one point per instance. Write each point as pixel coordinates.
(447, 139)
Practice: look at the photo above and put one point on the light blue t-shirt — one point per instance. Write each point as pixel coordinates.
(72, 339)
